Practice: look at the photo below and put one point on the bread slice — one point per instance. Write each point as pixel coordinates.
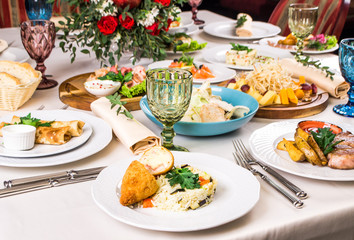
(157, 160)
(8, 79)
(23, 71)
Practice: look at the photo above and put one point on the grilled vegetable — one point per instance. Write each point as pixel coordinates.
(310, 154)
(294, 153)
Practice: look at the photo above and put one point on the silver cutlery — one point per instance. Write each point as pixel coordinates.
(41, 107)
(243, 163)
(240, 147)
(23, 185)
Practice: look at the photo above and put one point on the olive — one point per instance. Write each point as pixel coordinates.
(314, 88)
(175, 60)
(245, 88)
(306, 87)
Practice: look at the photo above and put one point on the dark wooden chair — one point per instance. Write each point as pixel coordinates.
(331, 16)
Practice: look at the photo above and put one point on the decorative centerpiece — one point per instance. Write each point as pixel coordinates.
(112, 28)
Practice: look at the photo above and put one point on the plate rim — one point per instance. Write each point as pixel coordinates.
(17, 49)
(211, 25)
(125, 162)
(101, 130)
(254, 147)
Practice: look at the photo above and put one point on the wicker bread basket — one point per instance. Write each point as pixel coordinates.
(13, 97)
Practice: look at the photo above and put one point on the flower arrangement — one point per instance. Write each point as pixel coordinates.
(111, 28)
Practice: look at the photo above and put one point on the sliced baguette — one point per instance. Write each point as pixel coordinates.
(157, 160)
(23, 71)
(8, 79)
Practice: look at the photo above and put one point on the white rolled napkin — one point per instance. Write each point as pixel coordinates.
(337, 87)
(134, 135)
(3, 45)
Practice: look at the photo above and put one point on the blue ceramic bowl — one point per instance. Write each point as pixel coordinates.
(231, 96)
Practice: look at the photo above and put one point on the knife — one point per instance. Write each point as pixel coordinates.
(43, 184)
(66, 175)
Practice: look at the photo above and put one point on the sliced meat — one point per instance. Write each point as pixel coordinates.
(343, 155)
(212, 113)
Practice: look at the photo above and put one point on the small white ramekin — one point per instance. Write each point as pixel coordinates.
(19, 137)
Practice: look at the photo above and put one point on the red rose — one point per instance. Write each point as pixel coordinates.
(124, 3)
(163, 2)
(127, 23)
(169, 21)
(107, 25)
(154, 29)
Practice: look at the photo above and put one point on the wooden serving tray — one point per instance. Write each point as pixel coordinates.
(73, 93)
(303, 109)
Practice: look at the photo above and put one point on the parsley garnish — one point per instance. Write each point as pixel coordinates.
(188, 60)
(238, 47)
(184, 177)
(305, 60)
(324, 138)
(35, 122)
(117, 77)
(241, 21)
(115, 100)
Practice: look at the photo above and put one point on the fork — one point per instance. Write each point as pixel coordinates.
(64, 107)
(243, 163)
(240, 147)
(41, 107)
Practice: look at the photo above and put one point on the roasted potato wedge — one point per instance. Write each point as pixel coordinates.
(281, 144)
(302, 133)
(312, 142)
(294, 153)
(310, 154)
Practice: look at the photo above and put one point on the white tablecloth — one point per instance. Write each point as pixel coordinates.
(69, 212)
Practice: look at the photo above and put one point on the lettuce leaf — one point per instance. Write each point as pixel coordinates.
(133, 91)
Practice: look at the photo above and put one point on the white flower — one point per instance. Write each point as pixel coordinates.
(150, 17)
(105, 7)
(117, 37)
(174, 11)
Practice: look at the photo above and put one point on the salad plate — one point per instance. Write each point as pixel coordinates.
(227, 30)
(14, 54)
(101, 136)
(221, 73)
(40, 150)
(185, 22)
(263, 143)
(236, 187)
(231, 96)
(292, 48)
(217, 55)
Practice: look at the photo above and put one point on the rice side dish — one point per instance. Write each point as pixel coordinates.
(174, 198)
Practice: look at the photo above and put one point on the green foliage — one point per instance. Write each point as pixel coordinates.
(239, 47)
(117, 77)
(115, 100)
(324, 138)
(305, 61)
(35, 122)
(240, 21)
(184, 177)
(110, 48)
(136, 90)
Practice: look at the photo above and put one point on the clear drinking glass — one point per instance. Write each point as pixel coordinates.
(302, 20)
(195, 4)
(168, 92)
(38, 37)
(38, 9)
(346, 63)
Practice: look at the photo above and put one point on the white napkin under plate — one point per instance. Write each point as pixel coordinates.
(134, 135)
(337, 87)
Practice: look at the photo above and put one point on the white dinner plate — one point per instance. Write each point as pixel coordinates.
(263, 143)
(101, 136)
(186, 22)
(227, 30)
(40, 150)
(14, 54)
(221, 73)
(292, 48)
(236, 194)
(217, 54)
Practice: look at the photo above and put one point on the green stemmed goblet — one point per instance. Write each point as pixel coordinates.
(168, 93)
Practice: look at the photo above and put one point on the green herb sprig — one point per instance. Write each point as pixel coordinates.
(240, 21)
(115, 100)
(35, 122)
(324, 138)
(117, 77)
(188, 60)
(238, 47)
(305, 61)
(184, 177)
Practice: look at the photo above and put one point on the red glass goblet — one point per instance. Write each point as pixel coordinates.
(195, 4)
(38, 37)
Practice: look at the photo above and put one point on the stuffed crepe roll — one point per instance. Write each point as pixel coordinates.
(53, 136)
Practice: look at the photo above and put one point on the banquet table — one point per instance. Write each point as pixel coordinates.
(69, 212)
